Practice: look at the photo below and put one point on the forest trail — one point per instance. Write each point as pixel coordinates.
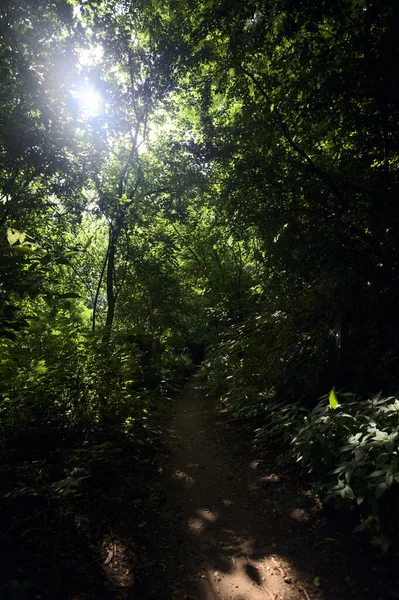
(235, 527)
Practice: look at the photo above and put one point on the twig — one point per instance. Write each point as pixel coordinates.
(301, 587)
(306, 594)
(279, 567)
(272, 596)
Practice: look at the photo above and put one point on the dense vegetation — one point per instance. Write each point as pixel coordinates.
(182, 180)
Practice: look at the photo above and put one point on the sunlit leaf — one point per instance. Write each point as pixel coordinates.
(333, 401)
(14, 236)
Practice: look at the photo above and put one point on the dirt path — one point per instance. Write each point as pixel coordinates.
(234, 529)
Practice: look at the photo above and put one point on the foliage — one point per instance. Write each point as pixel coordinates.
(295, 139)
(352, 450)
(82, 227)
(229, 184)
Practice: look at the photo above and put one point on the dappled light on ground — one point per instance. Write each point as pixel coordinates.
(299, 514)
(227, 523)
(238, 525)
(183, 476)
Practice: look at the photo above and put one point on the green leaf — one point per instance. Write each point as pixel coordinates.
(14, 236)
(333, 399)
(380, 489)
(25, 248)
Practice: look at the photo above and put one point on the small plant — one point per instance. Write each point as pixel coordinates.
(67, 486)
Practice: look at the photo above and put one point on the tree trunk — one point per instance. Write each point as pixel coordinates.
(114, 233)
(93, 322)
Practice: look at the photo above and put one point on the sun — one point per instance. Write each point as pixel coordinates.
(90, 101)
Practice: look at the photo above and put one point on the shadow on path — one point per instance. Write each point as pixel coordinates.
(234, 528)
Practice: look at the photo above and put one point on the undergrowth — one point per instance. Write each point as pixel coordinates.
(72, 509)
(347, 443)
(351, 448)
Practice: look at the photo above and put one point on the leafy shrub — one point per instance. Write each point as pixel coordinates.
(281, 421)
(352, 450)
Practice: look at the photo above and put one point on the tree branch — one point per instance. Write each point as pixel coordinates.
(324, 176)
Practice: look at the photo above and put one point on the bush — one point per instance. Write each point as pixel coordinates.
(352, 450)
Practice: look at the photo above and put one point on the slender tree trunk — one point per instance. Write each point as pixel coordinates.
(93, 326)
(114, 233)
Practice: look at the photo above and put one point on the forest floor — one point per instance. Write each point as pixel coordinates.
(187, 509)
(238, 523)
